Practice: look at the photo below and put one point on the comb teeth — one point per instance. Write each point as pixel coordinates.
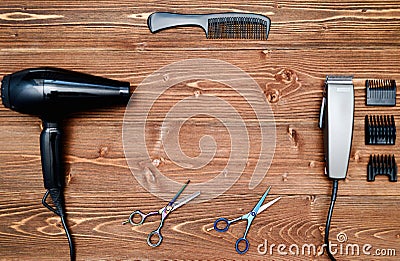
(381, 92)
(382, 165)
(380, 130)
(237, 28)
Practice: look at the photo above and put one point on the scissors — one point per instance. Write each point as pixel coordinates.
(249, 216)
(164, 212)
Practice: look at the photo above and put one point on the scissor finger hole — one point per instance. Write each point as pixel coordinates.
(154, 239)
(136, 218)
(221, 225)
(242, 245)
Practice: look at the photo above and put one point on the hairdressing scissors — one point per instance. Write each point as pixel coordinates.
(164, 212)
(249, 217)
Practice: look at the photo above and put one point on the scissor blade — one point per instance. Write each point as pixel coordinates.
(185, 200)
(255, 209)
(265, 206)
(179, 193)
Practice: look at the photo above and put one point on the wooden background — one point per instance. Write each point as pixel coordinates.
(307, 41)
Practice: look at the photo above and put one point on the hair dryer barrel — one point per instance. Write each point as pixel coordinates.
(52, 91)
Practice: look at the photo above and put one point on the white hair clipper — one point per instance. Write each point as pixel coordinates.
(336, 119)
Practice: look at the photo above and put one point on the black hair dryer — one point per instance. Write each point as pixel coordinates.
(51, 93)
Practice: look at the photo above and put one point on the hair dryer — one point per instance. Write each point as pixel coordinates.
(51, 93)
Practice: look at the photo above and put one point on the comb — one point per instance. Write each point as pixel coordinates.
(382, 165)
(216, 26)
(380, 92)
(380, 130)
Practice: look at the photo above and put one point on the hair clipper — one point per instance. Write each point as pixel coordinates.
(336, 120)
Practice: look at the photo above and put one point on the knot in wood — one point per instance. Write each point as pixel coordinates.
(286, 76)
(272, 95)
(103, 151)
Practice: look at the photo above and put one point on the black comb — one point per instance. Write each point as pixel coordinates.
(216, 26)
(380, 130)
(381, 92)
(382, 165)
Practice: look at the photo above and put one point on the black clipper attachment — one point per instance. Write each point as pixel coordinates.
(382, 165)
(380, 130)
(380, 92)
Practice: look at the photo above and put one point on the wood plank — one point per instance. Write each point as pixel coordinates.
(282, 67)
(95, 220)
(86, 165)
(122, 26)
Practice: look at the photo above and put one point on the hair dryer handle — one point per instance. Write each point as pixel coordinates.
(50, 150)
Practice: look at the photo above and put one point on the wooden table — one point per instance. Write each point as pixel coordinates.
(308, 40)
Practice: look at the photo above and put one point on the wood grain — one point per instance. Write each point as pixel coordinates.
(97, 224)
(308, 40)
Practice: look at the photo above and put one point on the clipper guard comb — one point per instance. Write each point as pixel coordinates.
(380, 92)
(380, 130)
(382, 165)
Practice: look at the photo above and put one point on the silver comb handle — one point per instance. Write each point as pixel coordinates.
(161, 20)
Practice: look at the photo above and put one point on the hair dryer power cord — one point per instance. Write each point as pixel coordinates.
(57, 197)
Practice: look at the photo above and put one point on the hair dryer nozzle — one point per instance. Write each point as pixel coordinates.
(4, 91)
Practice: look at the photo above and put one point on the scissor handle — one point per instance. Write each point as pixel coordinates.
(153, 234)
(221, 220)
(142, 217)
(237, 245)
